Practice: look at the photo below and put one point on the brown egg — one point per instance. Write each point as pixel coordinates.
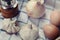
(59, 33)
(51, 31)
(0, 9)
(55, 17)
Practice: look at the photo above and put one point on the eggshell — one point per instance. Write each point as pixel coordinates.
(0, 9)
(55, 17)
(35, 9)
(51, 31)
(29, 32)
(41, 1)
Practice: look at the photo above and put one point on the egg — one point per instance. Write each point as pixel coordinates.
(0, 9)
(55, 17)
(41, 1)
(59, 33)
(51, 31)
(35, 9)
(29, 32)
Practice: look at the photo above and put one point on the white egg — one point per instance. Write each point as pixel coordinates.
(35, 9)
(29, 32)
(41, 1)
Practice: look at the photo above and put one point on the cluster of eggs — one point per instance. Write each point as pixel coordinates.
(36, 9)
(52, 30)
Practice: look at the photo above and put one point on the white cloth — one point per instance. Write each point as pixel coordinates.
(10, 26)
